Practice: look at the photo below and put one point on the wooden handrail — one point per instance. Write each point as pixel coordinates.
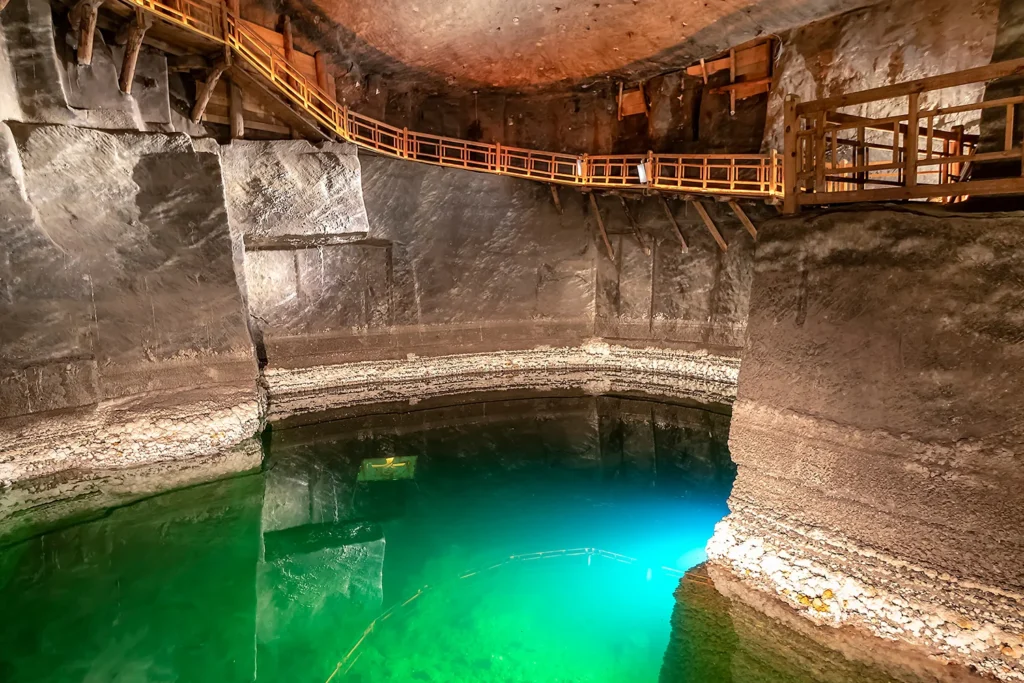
(734, 175)
(837, 157)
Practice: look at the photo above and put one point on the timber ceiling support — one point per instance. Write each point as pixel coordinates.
(741, 214)
(235, 110)
(136, 32)
(556, 198)
(636, 228)
(710, 224)
(600, 225)
(204, 94)
(675, 224)
(83, 17)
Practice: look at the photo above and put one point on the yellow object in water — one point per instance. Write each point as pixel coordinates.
(388, 469)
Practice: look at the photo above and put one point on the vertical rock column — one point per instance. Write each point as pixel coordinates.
(878, 434)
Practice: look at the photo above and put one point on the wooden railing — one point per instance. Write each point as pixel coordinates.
(835, 157)
(735, 175)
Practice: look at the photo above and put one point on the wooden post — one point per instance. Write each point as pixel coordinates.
(289, 39)
(741, 214)
(289, 56)
(911, 140)
(83, 17)
(790, 164)
(320, 64)
(672, 220)
(1008, 137)
(958, 149)
(554, 196)
(235, 111)
(819, 153)
(136, 32)
(600, 225)
(233, 8)
(709, 224)
(203, 96)
(636, 228)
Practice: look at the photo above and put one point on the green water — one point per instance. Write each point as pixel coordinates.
(539, 541)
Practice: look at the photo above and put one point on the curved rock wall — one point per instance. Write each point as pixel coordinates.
(877, 430)
(123, 333)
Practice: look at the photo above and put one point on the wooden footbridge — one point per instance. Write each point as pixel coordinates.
(831, 156)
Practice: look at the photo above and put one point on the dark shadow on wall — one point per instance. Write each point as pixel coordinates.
(1009, 45)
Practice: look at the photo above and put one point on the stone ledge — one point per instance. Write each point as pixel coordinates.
(594, 367)
(834, 582)
(112, 434)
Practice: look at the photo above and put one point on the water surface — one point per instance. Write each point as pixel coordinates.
(537, 541)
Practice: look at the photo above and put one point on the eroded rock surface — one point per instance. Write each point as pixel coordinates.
(120, 307)
(877, 430)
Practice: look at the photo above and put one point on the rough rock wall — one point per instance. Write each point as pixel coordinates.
(40, 81)
(456, 262)
(887, 43)
(877, 430)
(122, 331)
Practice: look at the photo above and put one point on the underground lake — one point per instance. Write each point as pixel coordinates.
(533, 540)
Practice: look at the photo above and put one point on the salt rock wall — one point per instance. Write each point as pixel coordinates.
(463, 264)
(883, 44)
(877, 430)
(41, 82)
(122, 331)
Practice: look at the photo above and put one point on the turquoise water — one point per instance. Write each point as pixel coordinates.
(538, 541)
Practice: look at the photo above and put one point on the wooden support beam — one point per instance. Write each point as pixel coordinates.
(742, 215)
(911, 140)
(289, 39)
(235, 111)
(257, 90)
(558, 200)
(234, 8)
(203, 96)
(142, 22)
(83, 18)
(3, 3)
(790, 161)
(600, 225)
(672, 220)
(710, 224)
(636, 228)
(320, 66)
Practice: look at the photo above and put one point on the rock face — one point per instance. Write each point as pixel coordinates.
(46, 85)
(877, 430)
(456, 263)
(120, 307)
(887, 43)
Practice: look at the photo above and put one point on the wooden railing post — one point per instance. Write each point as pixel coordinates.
(910, 142)
(790, 203)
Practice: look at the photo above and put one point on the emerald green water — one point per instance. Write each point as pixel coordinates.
(275, 576)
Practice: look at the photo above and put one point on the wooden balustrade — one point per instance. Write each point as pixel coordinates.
(728, 175)
(835, 157)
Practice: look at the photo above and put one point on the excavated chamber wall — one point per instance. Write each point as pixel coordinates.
(460, 282)
(877, 430)
(122, 332)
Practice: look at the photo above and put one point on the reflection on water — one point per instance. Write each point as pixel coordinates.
(536, 540)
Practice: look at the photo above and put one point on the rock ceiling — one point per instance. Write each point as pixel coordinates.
(535, 43)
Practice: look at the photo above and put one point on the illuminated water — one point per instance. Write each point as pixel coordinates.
(276, 576)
